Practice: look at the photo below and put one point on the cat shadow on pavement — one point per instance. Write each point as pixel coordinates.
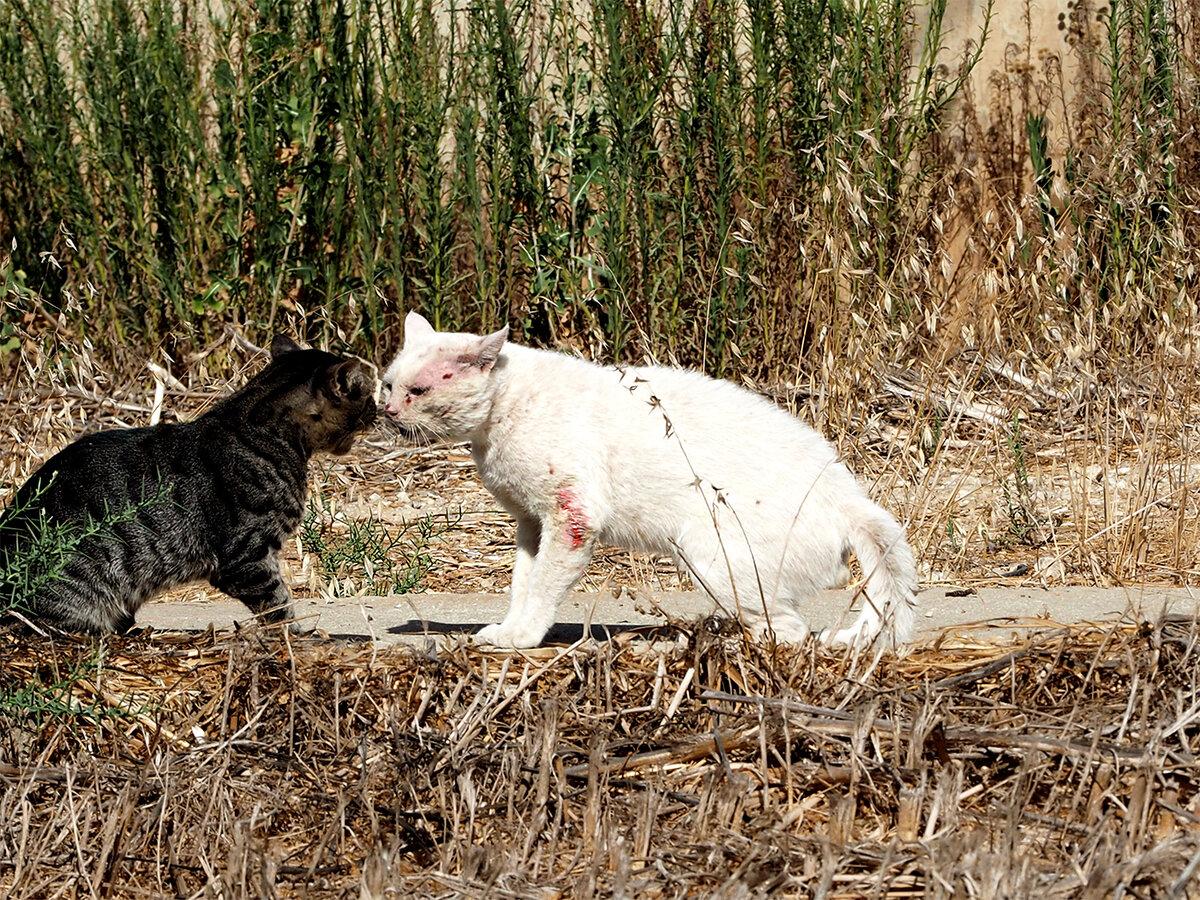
(560, 633)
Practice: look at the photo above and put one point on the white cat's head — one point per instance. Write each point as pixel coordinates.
(439, 386)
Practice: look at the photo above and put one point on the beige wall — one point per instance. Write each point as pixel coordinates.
(1030, 64)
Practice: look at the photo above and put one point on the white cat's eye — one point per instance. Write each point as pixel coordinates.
(418, 391)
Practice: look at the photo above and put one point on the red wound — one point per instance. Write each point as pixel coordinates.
(576, 520)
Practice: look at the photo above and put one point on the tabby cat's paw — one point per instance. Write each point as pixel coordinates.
(504, 636)
(303, 626)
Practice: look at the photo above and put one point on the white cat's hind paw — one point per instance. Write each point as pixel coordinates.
(854, 636)
(787, 628)
(505, 636)
(860, 636)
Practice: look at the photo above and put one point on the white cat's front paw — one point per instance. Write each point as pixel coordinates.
(503, 635)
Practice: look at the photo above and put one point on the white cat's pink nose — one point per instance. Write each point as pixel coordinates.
(390, 410)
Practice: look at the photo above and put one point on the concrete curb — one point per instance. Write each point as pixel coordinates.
(414, 618)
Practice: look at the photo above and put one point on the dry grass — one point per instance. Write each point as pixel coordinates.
(1068, 472)
(680, 762)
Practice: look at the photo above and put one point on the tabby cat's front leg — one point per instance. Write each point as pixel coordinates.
(260, 585)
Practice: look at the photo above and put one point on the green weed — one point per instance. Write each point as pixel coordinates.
(35, 550)
(362, 555)
(54, 695)
(587, 169)
(1024, 523)
(752, 186)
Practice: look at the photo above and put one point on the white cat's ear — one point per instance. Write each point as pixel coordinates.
(281, 344)
(489, 348)
(416, 326)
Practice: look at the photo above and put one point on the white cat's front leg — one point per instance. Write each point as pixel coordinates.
(562, 553)
(529, 537)
(529, 534)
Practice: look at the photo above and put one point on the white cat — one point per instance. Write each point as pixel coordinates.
(750, 501)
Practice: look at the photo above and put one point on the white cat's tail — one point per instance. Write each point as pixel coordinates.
(889, 600)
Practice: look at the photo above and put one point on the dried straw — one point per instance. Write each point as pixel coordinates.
(670, 762)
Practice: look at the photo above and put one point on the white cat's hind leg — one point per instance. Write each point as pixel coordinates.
(890, 627)
(889, 600)
(741, 585)
(864, 630)
(783, 623)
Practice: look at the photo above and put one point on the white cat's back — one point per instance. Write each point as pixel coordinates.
(720, 423)
(651, 440)
(765, 465)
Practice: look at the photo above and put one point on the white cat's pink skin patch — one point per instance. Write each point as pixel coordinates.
(576, 526)
(435, 373)
(429, 378)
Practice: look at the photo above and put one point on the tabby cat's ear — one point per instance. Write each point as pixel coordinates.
(281, 344)
(416, 326)
(348, 380)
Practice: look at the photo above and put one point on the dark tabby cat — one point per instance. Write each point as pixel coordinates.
(210, 499)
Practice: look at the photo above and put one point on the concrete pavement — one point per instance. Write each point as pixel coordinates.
(995, 611)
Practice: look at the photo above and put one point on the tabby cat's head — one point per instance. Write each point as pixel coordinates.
(329, 398)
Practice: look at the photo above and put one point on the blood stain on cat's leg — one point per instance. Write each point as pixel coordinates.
(577, 526)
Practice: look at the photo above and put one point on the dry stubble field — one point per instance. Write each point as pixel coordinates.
(683, 761)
